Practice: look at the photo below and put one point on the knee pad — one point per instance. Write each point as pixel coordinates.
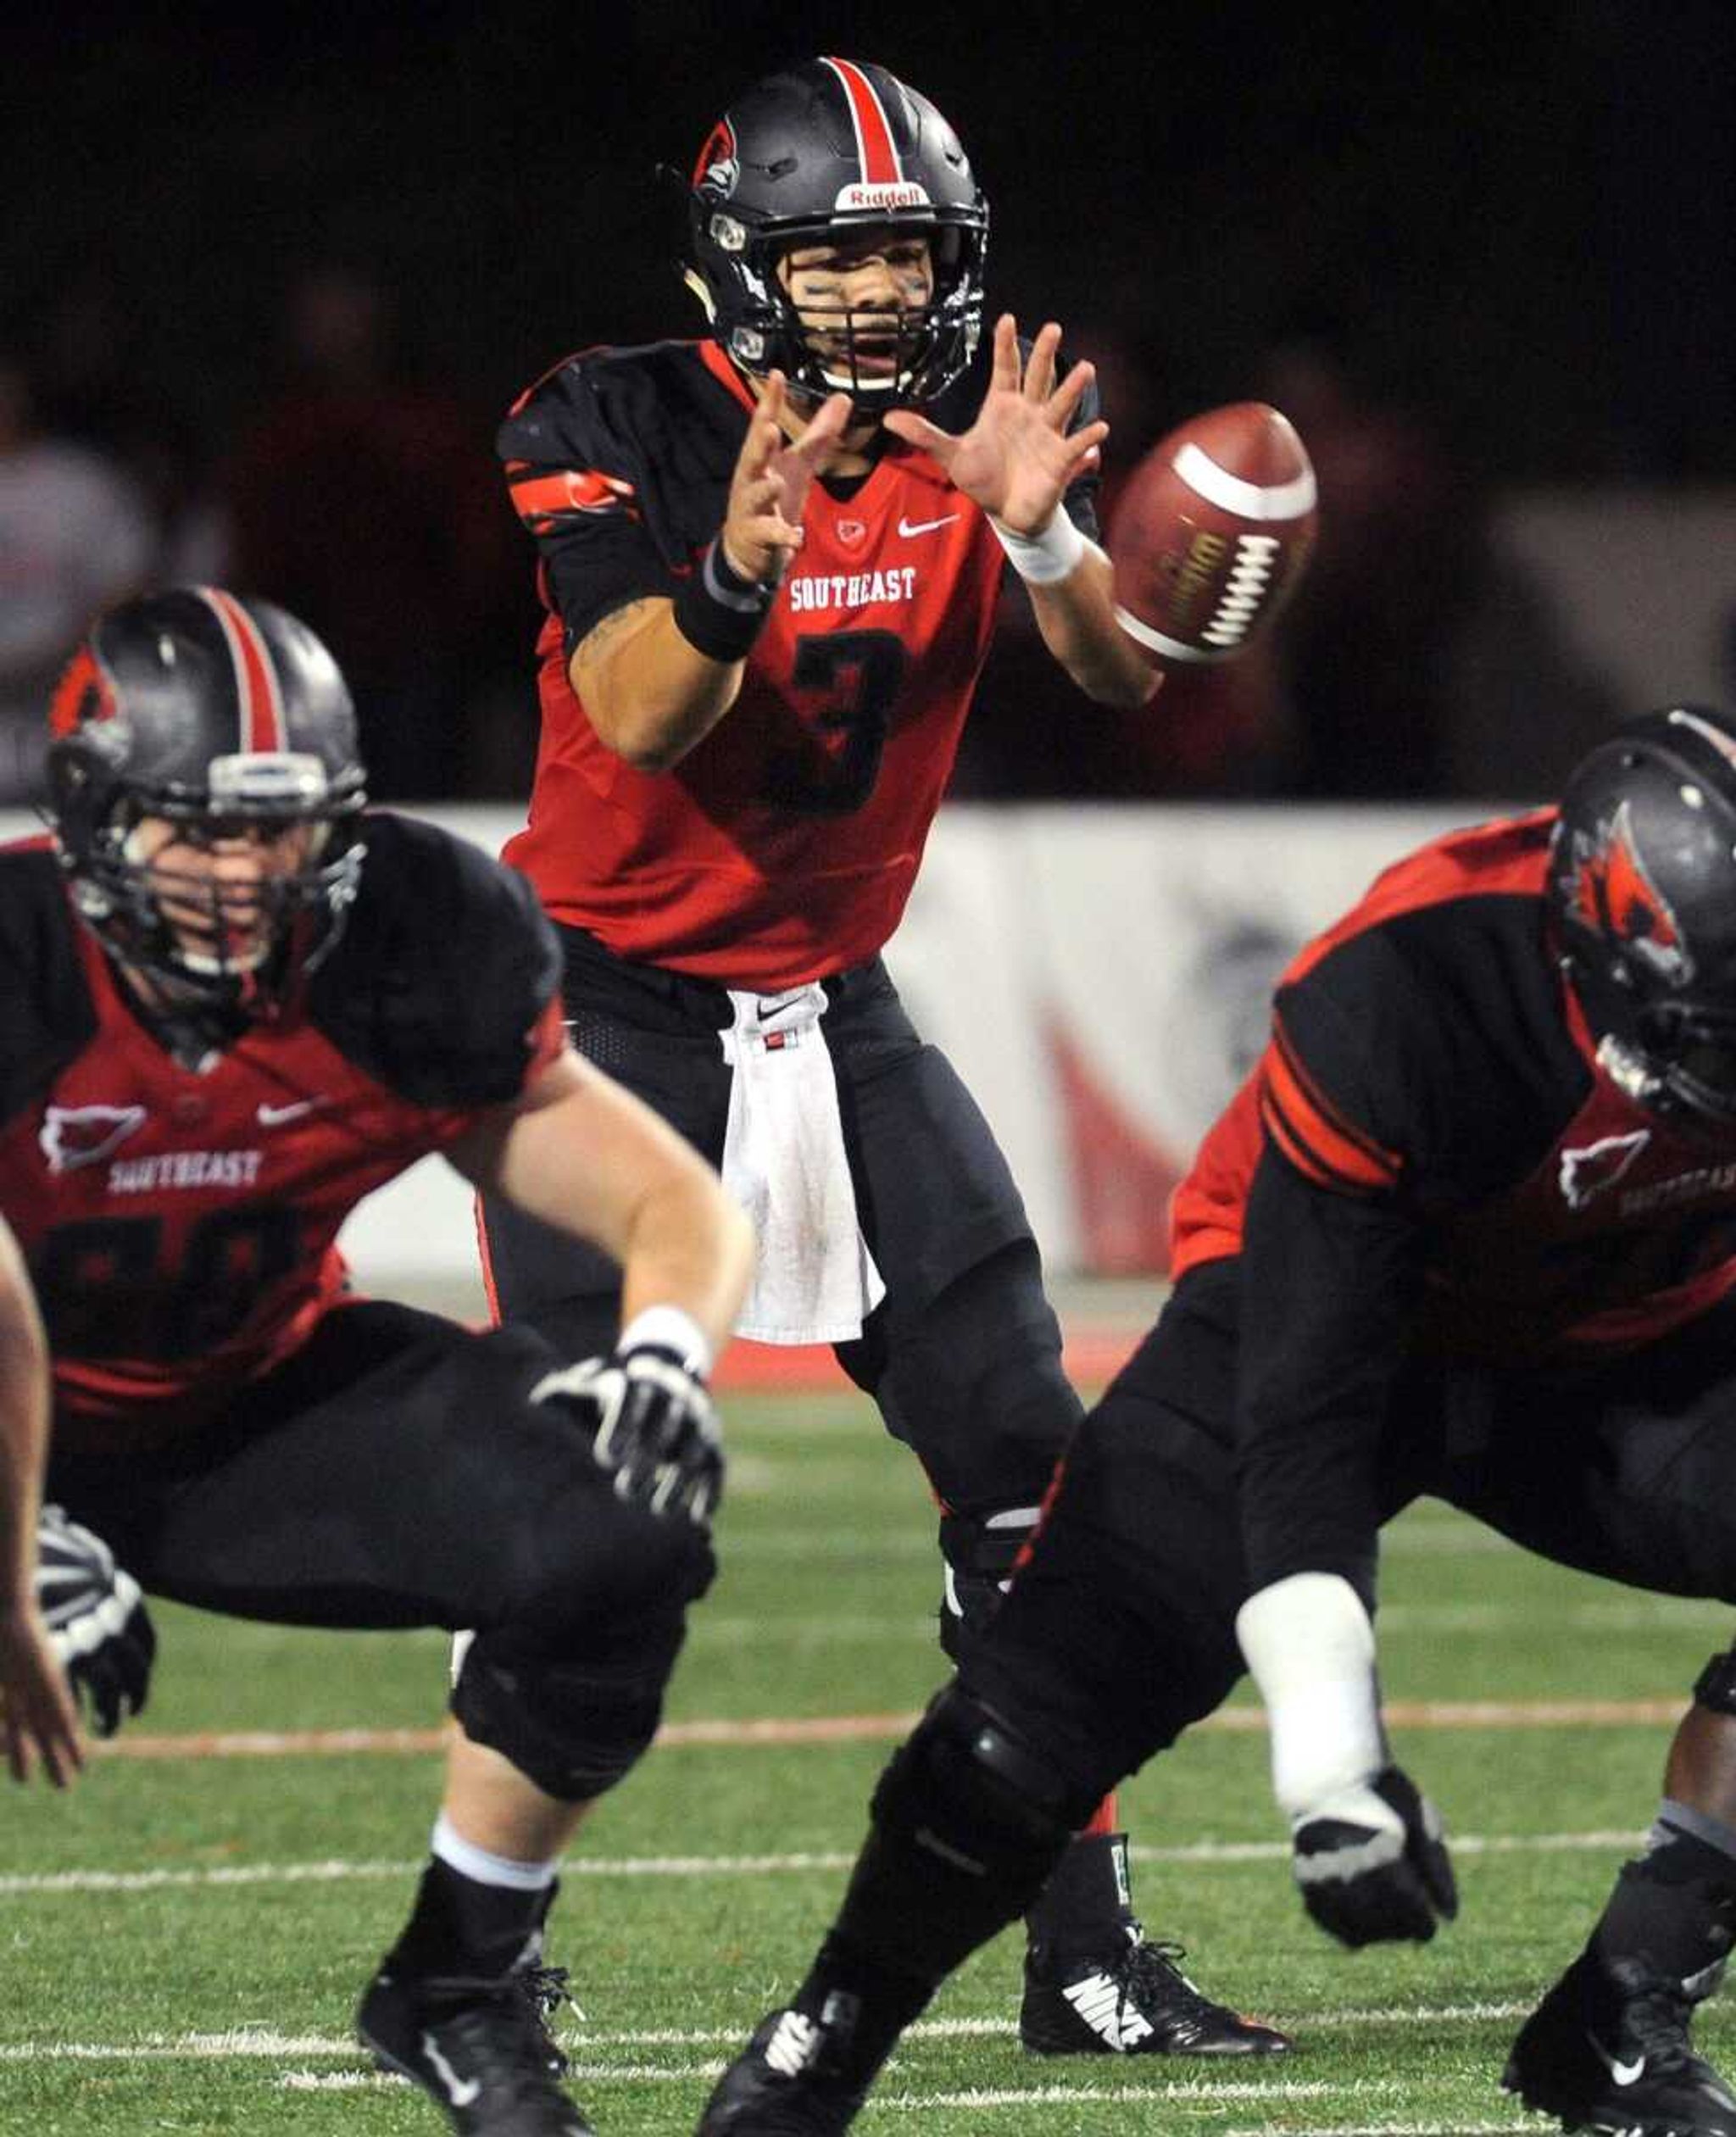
(983, 1795)
(574, 1726)
(1715, 1688)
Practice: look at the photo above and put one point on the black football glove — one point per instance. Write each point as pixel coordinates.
(96, 1618)
(652, 1425)
(1371, 1863)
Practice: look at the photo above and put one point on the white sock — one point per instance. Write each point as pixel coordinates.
(450, 1847)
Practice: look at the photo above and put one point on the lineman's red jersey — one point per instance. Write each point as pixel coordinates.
(1425, 1053)
(784, 846)
(1430, 1168)
(179, 1224)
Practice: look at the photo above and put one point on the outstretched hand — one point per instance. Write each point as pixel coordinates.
(38, 1719)
(1018, 457)
(774, 472)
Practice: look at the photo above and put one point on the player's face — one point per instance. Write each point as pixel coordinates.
(850, 293)
(214, 884)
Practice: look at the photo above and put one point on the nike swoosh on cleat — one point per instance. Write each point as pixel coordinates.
(462, 2092)
(908, 527)
(1624, 2073)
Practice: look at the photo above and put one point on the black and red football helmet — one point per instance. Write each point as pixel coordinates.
(1641, 891)
(214, 711)
(811, 156)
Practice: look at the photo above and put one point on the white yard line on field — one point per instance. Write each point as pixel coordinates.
(258, 2042)
(339, 1872)
(1430, 2129)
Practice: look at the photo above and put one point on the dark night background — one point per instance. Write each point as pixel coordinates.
(1514, 226)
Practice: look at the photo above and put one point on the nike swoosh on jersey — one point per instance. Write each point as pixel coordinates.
(276, 1116)
(908, 527)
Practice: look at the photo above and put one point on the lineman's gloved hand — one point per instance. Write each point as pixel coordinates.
(97, 1624)
(652, 1425)
(1371, 1862)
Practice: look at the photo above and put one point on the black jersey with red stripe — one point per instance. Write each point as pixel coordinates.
(180, 1223)
(1428, 1161)
(783, 847)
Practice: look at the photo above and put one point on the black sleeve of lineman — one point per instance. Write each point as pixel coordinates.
(1332, 1255)
(1329, 1289)
(1418, 1068)
(657, 423)
(440, 981)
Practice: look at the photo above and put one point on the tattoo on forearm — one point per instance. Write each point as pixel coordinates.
(618, 623)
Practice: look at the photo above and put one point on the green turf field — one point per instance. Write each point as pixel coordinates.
(184, 1937)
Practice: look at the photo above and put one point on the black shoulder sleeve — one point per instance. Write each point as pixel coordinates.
(46, 1013)
(619, 463)
(1434, 1043)
(444, 971)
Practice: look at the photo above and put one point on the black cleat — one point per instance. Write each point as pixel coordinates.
(1135, 2001)
(482, 2048)
(1606, 2052)
(785, 2083)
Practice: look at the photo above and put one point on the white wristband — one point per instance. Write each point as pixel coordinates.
(1308, 1641)
(669, 1328)
(1042, 558)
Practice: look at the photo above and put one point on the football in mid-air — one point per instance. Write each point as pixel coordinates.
(1210, 532)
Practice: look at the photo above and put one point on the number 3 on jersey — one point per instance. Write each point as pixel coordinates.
(857, 674)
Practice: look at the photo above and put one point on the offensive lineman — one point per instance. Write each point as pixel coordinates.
(771, 561)
(1469, 1230)
(235, 1004)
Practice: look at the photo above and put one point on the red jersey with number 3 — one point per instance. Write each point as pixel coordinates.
(783, 847)
(181, 1222)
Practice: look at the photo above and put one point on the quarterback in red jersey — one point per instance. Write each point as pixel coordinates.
(771, 561)
(235, 1004)
(1469, 1230)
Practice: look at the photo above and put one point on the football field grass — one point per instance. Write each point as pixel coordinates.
(184, 1935)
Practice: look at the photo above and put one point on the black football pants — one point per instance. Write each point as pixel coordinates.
(394, 1472)
(1119, 1630)
(963, 1356)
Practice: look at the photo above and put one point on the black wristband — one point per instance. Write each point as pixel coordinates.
(718, 612)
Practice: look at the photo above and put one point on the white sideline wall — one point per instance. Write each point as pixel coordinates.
(1098, 974)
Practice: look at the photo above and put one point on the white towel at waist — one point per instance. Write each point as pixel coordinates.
(783, 1159)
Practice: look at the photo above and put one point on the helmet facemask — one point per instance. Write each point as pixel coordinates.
(204, 940)
(894, 356)
(1690, 1052)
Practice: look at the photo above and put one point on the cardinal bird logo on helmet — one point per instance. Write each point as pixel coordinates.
(715, 169)
(1611, 893)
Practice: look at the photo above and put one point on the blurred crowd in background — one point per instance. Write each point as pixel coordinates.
(264, 299)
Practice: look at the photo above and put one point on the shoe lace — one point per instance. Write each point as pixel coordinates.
(503, 2024)
(1153, 1965)
(543, 1990)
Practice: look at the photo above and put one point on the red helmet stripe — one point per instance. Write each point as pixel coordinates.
(263, 725)
(874, 143)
